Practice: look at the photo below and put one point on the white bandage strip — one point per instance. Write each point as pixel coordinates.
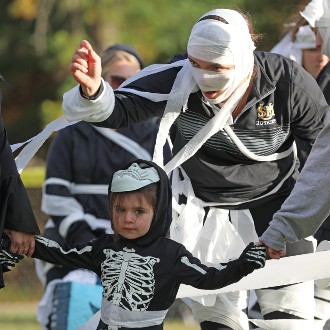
(33, 144)
(290, 270)
(125, 142)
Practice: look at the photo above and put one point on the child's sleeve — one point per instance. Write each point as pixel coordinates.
(74, 256)
(191, 271)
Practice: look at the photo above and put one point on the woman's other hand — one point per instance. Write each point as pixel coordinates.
(274, 254)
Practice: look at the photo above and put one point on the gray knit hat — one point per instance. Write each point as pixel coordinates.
(133, 178)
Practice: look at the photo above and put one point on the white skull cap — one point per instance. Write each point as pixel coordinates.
(133, 178)
(317, 13)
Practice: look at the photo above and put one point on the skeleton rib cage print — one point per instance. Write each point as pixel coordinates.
(128, 279)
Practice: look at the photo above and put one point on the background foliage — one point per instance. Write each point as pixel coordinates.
(38, 38)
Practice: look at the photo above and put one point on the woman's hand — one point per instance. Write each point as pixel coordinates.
(21, 242)
(273, 253)
(86, 69)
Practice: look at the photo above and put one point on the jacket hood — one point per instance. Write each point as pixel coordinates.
(163, 215)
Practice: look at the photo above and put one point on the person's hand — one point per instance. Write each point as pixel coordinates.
(7, 259)
(86, 68)
(21, 242)
(254, 255)
(274, 254)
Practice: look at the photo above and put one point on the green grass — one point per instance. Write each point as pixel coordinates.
(22, 315)
(21, 284)
(26, 322)
(18, 315)
(29, 323)
(178, 325)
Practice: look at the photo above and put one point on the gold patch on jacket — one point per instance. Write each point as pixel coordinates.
(266, 114)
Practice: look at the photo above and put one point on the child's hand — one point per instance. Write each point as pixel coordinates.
(7, 259)
(254, 255)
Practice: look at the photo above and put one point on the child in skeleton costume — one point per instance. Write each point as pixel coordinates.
(140, 268)
(233, 115)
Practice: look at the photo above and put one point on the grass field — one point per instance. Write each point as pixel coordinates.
(33, 177)
(18, 315)
(22, 315)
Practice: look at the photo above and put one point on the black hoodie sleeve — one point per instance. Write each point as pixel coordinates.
(74, 256)
(190, 271)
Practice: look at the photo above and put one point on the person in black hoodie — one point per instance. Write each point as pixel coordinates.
(17, 219)
(140, 268)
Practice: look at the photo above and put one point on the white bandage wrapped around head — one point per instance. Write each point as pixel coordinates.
(324, 20)
(134, 178)
(304, 39)
(313, 11)
(323, 24)
(317, 13)
(224, 39)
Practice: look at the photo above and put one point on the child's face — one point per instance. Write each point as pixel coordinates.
(133, 216)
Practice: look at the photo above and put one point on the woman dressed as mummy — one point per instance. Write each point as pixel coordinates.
(242, 123)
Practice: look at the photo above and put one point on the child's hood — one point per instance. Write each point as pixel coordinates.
(163, 214)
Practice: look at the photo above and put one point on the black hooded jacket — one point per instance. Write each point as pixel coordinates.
(219, 171)
(143, 274)
(15, 208)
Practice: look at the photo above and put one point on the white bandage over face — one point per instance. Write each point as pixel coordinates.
(225, 44)
(213, 81)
